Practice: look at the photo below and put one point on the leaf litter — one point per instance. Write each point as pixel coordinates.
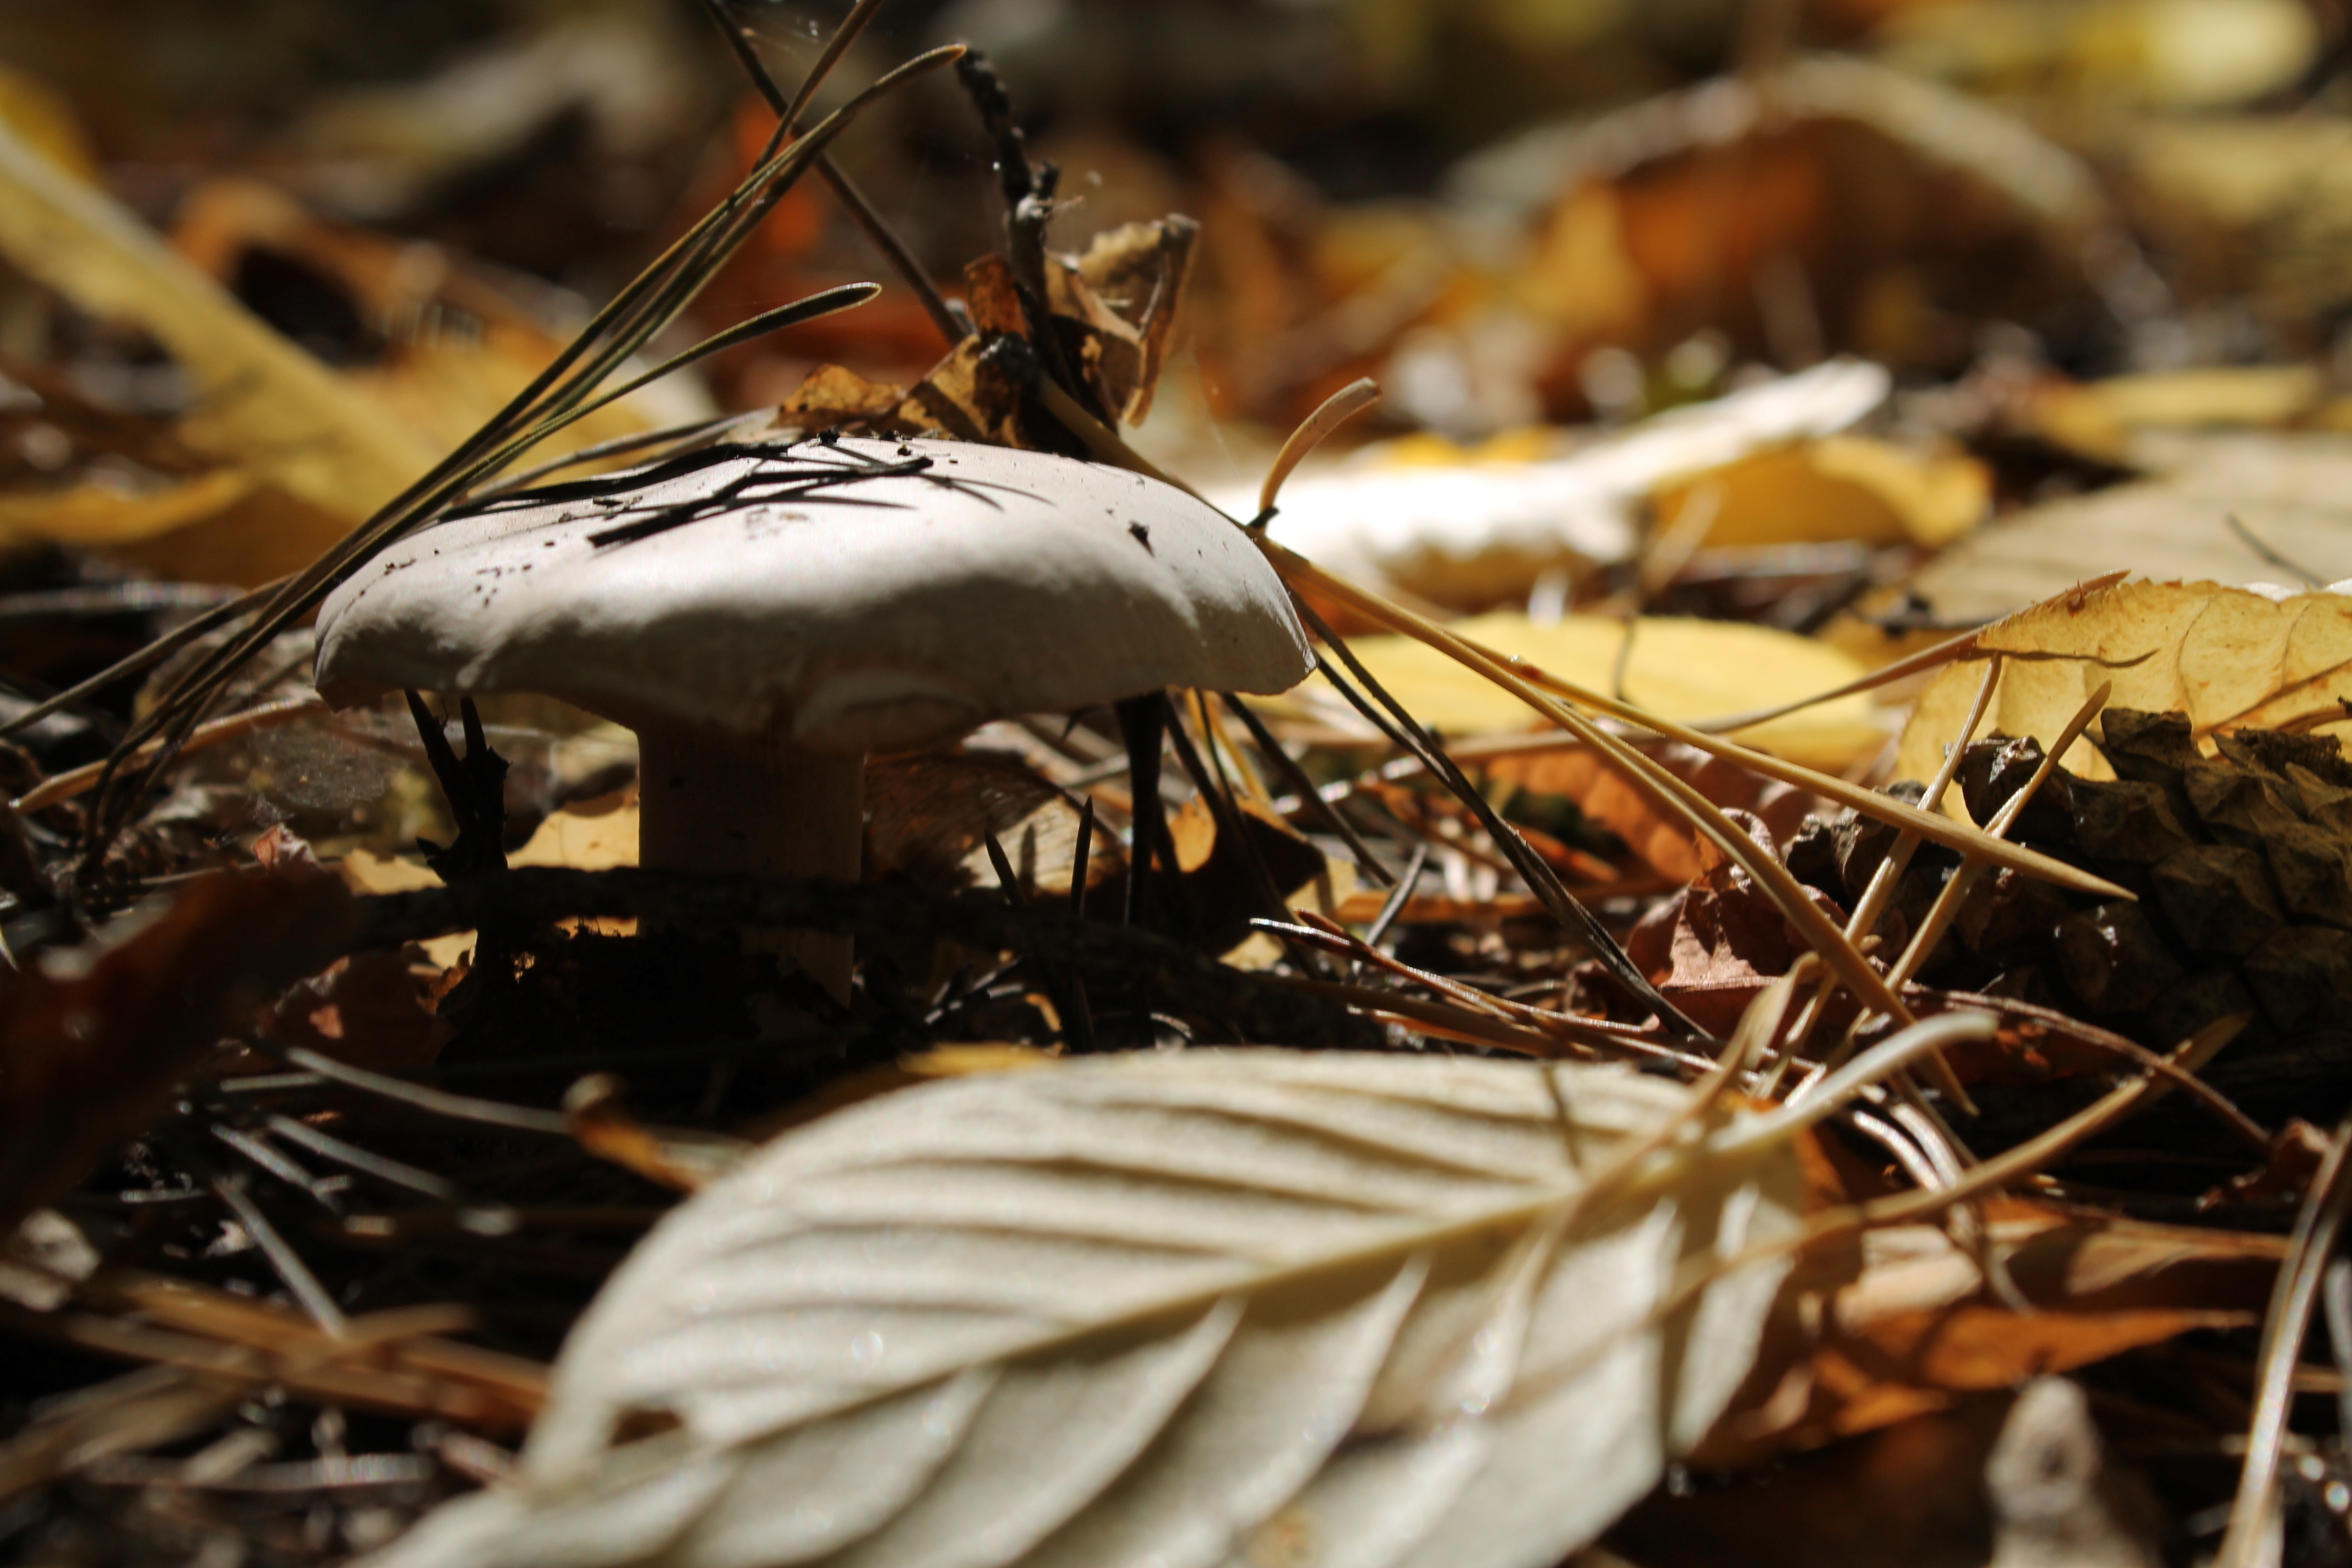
(336, 1163)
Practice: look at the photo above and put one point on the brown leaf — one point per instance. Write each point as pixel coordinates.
(367, 1010)
(1602, 793)
(1902, 1321)
(1137, 272)
(91, 1042)
(992, 297)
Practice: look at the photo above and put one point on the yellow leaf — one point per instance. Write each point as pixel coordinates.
(45, 123)
(1838, 488)
(263, 403)
(95, 514)
(587, 835)
(1686, 669)
(2098, 418)
(2228, 657)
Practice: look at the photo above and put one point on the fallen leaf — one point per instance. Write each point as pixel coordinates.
(1907, 1323)
(265, 404)
(2285, 489)
(2228, 657)
(1685, 669)
(2098, 418)
(1179, 1309)
(93, 1039)
(1471, 535)
(1664, 842)
(1838, 488)
(587, 835)
(2184, 54)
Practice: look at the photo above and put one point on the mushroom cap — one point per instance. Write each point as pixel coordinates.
(846, 595)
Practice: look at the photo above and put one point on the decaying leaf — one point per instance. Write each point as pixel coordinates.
(1910, 1323)
(1176, 1310)
(92, 1040)
(2228, 657)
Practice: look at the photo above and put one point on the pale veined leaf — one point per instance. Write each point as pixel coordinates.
(1213, 1308)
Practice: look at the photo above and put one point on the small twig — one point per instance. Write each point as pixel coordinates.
(473, 785)
(1028, 191)
(1081, 1021)
(1251, 1004)
(1296, 777)
(2317, 1229)
(2255, 543)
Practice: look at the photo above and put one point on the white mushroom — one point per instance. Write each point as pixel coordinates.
(763, 616)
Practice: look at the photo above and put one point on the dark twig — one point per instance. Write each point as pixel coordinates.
(473, 787)
(1122, 956)
(1028, 192)
(1139, 721)
(1580, 923)
(1296, 777)
(1218, 793)
(863, 212)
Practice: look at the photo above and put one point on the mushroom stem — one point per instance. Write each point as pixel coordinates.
(709, 801)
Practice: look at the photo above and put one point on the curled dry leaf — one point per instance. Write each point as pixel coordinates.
(2228, 657)
(1903, 1319)
(1475, 534)
(1174, 1310)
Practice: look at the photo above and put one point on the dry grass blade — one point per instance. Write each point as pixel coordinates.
(1337, 410)
(2317, 1228)
(1948, 651)
(267, 715)
(1944, 830)
(1670, 793)
(1167, 1308)
(1880, 891)
(2039, 1150)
